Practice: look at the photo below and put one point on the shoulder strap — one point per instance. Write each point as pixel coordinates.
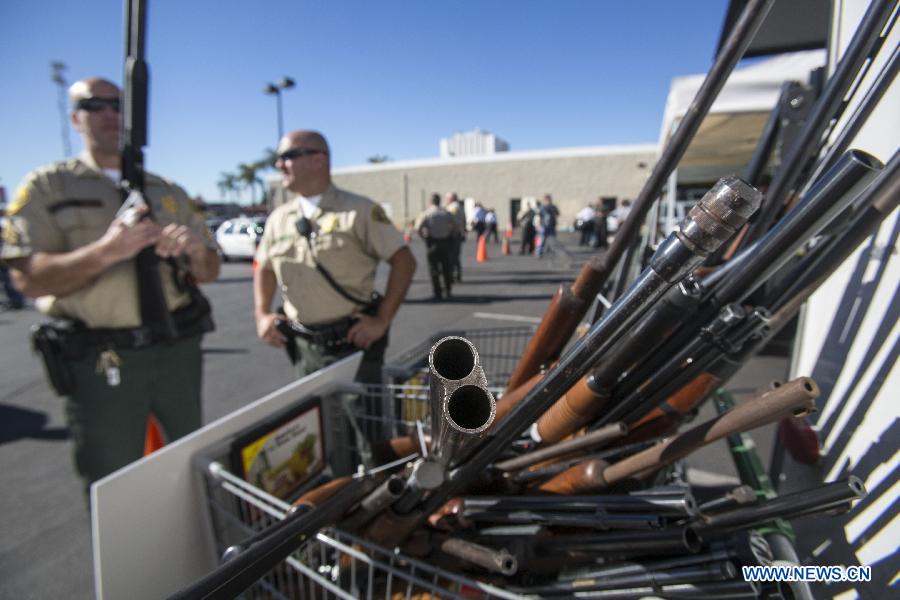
(334, 284)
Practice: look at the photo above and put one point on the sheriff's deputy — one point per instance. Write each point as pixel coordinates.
(66, 247)
(438, 228)
(321, 250)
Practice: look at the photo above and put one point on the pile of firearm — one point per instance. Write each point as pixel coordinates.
(571, 484)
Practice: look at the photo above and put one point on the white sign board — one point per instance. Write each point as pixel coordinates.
(149, 533)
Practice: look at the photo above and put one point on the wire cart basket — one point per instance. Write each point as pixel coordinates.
(499, 349)
(336, 564)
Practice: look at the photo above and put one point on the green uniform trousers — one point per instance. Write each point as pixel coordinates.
(358, 420)
(108, 423)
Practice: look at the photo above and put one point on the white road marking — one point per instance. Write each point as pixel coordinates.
(504, 317)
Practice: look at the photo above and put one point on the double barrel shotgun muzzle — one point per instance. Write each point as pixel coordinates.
(462, 408)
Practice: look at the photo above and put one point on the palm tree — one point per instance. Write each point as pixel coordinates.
(227, 184)
(268, 160)
(248, 177)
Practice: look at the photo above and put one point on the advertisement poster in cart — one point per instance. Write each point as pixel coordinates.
(283, 454)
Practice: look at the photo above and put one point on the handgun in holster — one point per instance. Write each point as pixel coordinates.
(284, 327)
(49, 341)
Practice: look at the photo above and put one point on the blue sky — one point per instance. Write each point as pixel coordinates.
(379, 77)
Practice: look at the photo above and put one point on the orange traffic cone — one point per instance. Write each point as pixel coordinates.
(153, 439)
(407, 235)
(481, 255)
(504, 248)
(509, 230)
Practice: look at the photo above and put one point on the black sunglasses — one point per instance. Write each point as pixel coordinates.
(293, 153)
(98, 104)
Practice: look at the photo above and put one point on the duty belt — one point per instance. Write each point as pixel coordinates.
(190, 320)
(331, 335)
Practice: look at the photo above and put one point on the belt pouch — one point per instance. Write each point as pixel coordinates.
(49, 342)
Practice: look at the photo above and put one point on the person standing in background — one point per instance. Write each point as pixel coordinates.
(438, 228)
(548, 214)
(456, 208)
(527, 217)
(490, 222)
(479, 224)
(584, 222)
(600, 235)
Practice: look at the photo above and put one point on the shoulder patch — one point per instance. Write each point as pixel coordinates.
(379, 216)
(169, 205)
(21, 199)
(11, 234)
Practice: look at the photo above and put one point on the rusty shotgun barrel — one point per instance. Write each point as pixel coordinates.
(593, 439)
(496, 560)
(793, 398)
(462, 408)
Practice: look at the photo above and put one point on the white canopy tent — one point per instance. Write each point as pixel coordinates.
(728, 134)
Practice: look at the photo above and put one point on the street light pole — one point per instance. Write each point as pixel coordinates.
(60, 80)
(286, 83)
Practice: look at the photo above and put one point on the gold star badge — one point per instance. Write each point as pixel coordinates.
(327, 223)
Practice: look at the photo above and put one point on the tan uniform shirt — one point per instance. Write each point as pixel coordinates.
(351, 234)
(69, 204)
(436, 224)
(459, 213)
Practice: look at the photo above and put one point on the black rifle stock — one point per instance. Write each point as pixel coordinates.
(154, 311)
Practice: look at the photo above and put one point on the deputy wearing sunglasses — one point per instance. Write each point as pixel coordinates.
(321, 249)
(67, 248)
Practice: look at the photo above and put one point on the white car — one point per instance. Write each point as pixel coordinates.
(238, 238)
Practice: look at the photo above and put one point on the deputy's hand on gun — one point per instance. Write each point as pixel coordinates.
(128, 234)
(366, 330)
(267, 329)
(178, 240)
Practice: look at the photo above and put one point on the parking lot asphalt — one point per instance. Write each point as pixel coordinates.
(45, 547)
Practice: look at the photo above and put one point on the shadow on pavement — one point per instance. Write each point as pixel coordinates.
(18, 423)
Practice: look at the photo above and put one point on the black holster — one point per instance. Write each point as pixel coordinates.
(332, 334)
(48, 340)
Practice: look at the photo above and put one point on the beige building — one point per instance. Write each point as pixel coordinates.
(574, 176)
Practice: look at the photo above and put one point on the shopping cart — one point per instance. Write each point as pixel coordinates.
(336, 564)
